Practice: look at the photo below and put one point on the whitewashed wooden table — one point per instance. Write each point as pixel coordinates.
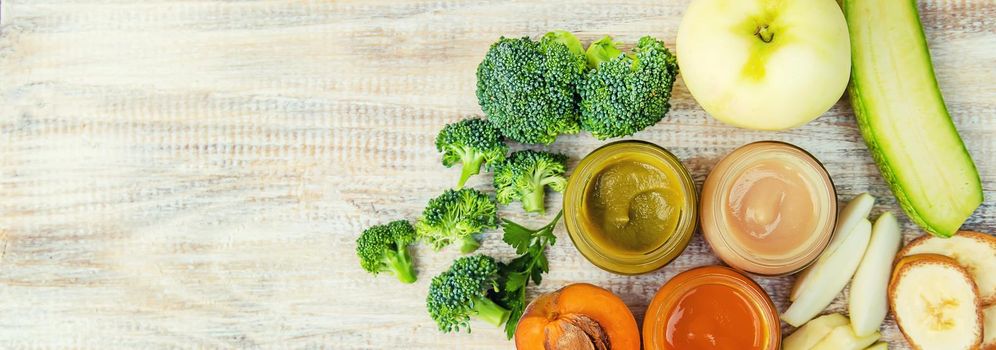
(193, 174)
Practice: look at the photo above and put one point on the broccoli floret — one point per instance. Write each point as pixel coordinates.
(528, 89)
(525, 175)
(471, 142)
(457, 215)
(468, 289)
(385, 248)
(626, 93)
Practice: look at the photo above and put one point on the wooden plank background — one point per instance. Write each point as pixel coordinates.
(193, 174)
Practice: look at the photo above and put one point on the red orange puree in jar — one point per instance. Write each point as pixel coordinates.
(713, 316)
(711, 308)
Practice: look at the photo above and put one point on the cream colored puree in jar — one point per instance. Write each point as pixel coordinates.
(768, 208)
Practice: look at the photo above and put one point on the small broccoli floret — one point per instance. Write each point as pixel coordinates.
(385, 248)
(468, 289)
(457, 215)
(528, 89)
(472, 142)
(525, 175)
(626, 93)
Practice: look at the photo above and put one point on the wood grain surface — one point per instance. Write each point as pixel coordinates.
(193, 174)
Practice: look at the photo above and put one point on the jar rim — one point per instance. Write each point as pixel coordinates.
(577, 184)
(720, 237)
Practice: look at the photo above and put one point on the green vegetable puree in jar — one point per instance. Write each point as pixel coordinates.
(631, 206)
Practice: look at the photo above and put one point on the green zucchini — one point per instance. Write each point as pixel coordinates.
(903, 118)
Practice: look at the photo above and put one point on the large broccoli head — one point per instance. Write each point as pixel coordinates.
(525, 175)
(471, 142)
(468, 289)
(385, 248)
(528, 89)
(457, 215)
(626, 93)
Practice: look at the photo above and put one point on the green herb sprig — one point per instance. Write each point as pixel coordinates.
(531, 264)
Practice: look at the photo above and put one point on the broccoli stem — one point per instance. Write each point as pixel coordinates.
(568, 39)
(400, 263)
(606, 50)
(471, 166)
(602, 50)
(533, 199)
(470, 244)
(490, 312)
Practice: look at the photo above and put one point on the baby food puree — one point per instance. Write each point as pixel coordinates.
(768, 208)
(630, 207)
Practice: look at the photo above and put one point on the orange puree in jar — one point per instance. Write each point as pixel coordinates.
(711, 308)
(713, 316)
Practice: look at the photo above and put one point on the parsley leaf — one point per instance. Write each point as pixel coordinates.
(529, 265)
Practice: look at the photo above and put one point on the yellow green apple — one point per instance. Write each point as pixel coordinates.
(764, 64)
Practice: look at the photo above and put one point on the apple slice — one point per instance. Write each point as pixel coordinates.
(843, 338)
(830, 276)
(813, 331)
(936, 304)
(973, 250)
(869, 302)
(879, 346)
(989, 328)
(855, 210)
(800, 283)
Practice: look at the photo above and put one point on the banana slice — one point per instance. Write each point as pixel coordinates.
(936, 304)
(973, 250)
(989, 336)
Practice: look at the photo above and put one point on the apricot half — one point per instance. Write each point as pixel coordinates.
(578, 316)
